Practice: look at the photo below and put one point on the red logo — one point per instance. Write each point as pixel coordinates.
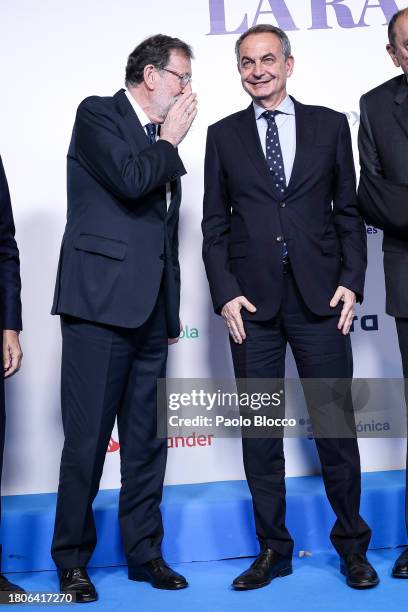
(113, 446)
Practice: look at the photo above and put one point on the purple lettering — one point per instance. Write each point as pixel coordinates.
(281, 13)
(217, 19)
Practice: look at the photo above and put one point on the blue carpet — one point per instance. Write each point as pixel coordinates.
(205, 522)
(315, 585)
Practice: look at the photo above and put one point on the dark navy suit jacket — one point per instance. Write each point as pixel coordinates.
(120, 243)
(383, 189)
(10, 284)
(245, 220)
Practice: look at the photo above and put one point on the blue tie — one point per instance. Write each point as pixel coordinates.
(151, 132)
(274, 159)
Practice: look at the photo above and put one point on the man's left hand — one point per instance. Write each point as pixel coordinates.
(348, 298)
(171, 341)
(12, 353)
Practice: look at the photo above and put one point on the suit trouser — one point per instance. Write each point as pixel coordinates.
(110, 372)
(402, 331)
(2, 434)
(320, 351)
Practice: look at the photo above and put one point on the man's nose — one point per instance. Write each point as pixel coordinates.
(258, 70)
(187, 88)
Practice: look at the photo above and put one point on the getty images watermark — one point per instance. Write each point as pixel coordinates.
(297, 408)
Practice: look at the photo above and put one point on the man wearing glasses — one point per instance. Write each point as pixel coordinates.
(117, 291)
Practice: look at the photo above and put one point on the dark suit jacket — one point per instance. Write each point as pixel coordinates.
(383, 188)
(10, 284)
(120, 241)
(245, 219)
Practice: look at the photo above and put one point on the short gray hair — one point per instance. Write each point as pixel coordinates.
(260, 29)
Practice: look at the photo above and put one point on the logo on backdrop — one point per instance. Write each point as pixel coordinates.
(174, 442)
(320, 11)
(189, 333)
(367, 323)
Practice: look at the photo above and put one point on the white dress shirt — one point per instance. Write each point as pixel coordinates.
(144, 120)
(286, 124)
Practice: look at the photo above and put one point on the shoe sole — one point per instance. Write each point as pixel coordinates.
(358, 585)
(287, 571)
(81, 598)
(142, 578)
(399, 576)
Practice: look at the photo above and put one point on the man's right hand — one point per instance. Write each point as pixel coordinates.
(179, 119)
(231, 313)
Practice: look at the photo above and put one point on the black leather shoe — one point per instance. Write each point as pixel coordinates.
(77, 582)
(8, 587)
(267, 566)
(400, 569)
(358, 571)
(159, 574)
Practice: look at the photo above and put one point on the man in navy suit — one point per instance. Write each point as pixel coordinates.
(10, 312)
(285, 255)
(383, 192)
(118, 294)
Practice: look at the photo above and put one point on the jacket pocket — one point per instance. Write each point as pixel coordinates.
(115, 249)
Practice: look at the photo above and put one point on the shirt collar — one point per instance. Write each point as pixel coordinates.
(286, 106)
(141, 115)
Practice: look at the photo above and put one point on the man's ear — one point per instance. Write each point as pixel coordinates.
(150, 76)
(391, 51)
(290, 63)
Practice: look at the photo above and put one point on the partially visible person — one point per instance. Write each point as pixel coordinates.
(10, 313)
(383, 189)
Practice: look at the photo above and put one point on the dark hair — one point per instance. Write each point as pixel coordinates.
(153, 50)
(260, 29)
(393, 21)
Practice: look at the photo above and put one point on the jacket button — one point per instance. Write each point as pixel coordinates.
(282, 204)
(279, 239)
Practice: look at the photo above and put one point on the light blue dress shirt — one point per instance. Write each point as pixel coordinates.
(286, 124)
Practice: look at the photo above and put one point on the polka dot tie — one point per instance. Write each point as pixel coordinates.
(273, 151)
(273, 154)
(151, 132)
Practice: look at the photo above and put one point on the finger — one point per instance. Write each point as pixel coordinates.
(336, 298)
(348, 324)
(232, 328)
(183, 101)
(247, 305)
(13, 365)
(239, 325)
(6, 358)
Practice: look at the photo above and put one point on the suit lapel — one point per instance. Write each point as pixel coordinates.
(305, 133)
(139, 140)
(400, 110)
(135, 129)
(249, 136)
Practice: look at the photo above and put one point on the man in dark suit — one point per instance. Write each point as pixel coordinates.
(10, 311)
(117, 291)
(285, 255)
(383, 189)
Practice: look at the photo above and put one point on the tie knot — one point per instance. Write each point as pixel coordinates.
(270, 115)
(151, 132)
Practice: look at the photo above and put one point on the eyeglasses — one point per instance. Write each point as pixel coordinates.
(185, 79)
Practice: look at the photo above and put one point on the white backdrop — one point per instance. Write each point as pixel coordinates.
(55, 53)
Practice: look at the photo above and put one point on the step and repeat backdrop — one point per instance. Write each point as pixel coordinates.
(53, 54)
